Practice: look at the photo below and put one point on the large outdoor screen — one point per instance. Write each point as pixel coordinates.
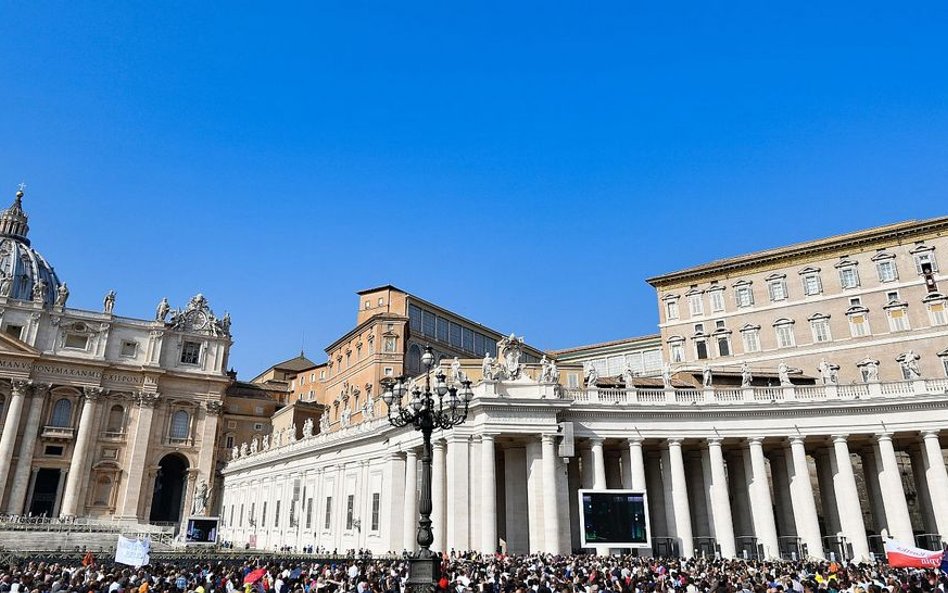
(201, 530)
(613, 518)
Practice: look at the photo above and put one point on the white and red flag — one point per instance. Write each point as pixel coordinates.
(900, 555)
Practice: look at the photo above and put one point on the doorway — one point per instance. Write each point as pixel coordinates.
(44, 491)
(169, 489)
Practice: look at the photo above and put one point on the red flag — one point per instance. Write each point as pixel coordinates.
(88, 559)
(254, 576)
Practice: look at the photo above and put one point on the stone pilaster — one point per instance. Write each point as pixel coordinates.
(78, 471)
(11, 426)
(130, 498)
(21, 475)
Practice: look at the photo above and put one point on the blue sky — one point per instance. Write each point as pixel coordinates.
(527, 165)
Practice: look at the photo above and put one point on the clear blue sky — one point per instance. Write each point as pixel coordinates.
(525, 164)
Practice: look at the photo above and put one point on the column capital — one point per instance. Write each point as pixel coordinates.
(41, 389)
(884, 436)
(839, 438)
(715, 441)
(674, 441)
(488, 436)
(596, 441)
(94, 393)
(411, 452)
(635, 441)
(755, 441)
(930, 434)
(437, 444)
(797, 439)
(20, 387)
(148, 399)
(548, 438)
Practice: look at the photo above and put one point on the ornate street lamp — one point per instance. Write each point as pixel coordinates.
(437, 406)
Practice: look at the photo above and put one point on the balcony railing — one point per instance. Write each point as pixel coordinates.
(755, 395)
(58, 432)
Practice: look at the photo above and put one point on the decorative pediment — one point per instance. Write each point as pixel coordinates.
(676, 339)
(693, 291)
(818, 317)
(934, 298)
(846, 262)
(921, 248)
(198, 318)
(83, 328)
(867, 362)
(809, 270)
(749, 327)
(882, 255)
(943, 353)
(742, 283)
(783, 321)
(11, 345)
(775, 276)
(671, 297)
(856, 310)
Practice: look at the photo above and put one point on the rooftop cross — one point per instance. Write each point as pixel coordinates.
(22, 186)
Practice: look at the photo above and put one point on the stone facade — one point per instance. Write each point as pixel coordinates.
(104, 416)
(847, 301)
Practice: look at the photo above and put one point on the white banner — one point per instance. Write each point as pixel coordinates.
(133, 552)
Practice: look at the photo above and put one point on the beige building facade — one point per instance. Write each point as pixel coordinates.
(103, 416)
(843, 309)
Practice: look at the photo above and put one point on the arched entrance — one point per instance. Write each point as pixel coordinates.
(169, 488)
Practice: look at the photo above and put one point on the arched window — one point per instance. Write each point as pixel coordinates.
(180, 424)
(62, 413)
(414, 358)
(116, 419)
(103, 491)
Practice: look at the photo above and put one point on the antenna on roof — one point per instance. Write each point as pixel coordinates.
(302, 342)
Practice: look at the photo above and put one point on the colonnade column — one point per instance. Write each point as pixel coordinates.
(411, 500)
(897, 518)
(438, 523)
(24, 462)
(488, 495)
(598, 465)
(847, 499)
(128, 507)
(801, 498)
(937, 478)
(679, 492)
(720, 500)
(551, 516)
(80, 454)
(637, 464)
(762, 506)
(11, 425)
(457, 486)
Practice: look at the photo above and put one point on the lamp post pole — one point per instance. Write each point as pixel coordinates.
(437, 406)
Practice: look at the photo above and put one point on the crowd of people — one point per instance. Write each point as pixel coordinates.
(471, 573)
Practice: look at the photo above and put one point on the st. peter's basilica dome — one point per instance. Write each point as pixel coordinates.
(24, 273)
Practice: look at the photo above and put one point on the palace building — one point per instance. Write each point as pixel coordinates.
(106, 416)
(749, 439)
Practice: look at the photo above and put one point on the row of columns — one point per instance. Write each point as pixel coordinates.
(462, 482)
(790, 470)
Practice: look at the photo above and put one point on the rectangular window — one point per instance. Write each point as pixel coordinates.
(229, 441)
(572, 380)
(855, 302)
(253, 509)
(443, 329)
(821, 330)
(848, 277)
(455, 335)
(76, 341)
(241, 524)
(937, 313)
(744, 296)
(263, 514)
(677, 352)
(428, 328)
(671, 309)
(701, 349)
(414, 318)
(231, 521)
(898, 320)
(785, 336)
(376, 508)
(751, 340)
(925, 262)
(717, 300)
(480, 344)
(812, 284)
(696, 304)
(887, 270)
(858, 325)
(350, 510)
(778, 290)
(944, 363)
(468, 340)
(276, 514)
(309, 513)
(724, 346)
(892, 296)
(190, 352)
(129, 349)
(328, 519)
(14, 330)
